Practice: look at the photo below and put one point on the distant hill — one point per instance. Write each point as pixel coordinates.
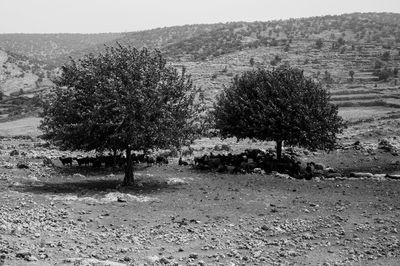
(20, 74)
(354, 28)
(156, 38)
(21, 80)
(339, 51)
(205, 41)
(47, 47)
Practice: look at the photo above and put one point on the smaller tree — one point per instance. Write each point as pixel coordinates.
(319, 43)
(382, 74)
(276, 60)
(378, 64)
(251, 61)
(328, 77)
(341, 41)
(287, 47)
(386, 56)
(280, 105)
(351, 74)
(395, 72)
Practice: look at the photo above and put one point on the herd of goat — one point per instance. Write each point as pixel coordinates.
(250, 161)
(113, 161)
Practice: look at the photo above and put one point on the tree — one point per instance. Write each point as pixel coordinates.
(327, 77)
(276, 60)
(286, 48)
(382, 74)
(385, 56)
(341, 41)
(123, 99)
(319, 43)
(395, 72)
(351, 74)
(252, 61)
(280, 105)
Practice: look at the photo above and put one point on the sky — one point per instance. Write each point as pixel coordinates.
(94, 16)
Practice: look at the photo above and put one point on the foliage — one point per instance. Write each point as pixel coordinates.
(341, 41)
(378, 64)
(276, 60)
(251, 61)
(327, 77)
(351, 74)
(319, 43)
(123, 99)
(280, 105)
(385, 56)
(383, 74)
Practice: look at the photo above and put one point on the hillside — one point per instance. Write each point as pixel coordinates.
(356, 55)
(21, 80)
(159, 38)
(47, 47)
(377, 28)
(199, 42)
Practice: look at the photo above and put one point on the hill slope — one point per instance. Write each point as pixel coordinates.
(359, 50)
(47, 47)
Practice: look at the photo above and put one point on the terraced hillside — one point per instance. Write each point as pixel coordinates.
(354, 28)
(356, 56)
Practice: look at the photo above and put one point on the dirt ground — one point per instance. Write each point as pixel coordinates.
(176, 215)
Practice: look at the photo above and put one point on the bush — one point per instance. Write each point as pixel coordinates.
(319, 43)
(276, 60)
(382, 74)
(385, 56)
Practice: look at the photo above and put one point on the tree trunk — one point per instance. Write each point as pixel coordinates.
(128, 180)
(279, 149)
(114, 158)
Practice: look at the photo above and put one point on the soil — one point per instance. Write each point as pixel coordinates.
(176, 215)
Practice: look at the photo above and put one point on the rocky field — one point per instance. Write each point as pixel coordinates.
(52, 214)
(177, 215)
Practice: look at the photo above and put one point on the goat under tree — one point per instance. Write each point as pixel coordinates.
(122, 99)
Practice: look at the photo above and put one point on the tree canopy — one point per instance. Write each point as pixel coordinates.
(279, 105)
(123, 99)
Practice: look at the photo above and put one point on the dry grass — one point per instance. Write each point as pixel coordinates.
(22, 127)
(364, 112)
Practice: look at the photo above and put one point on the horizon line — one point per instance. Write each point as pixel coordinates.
(182, 25)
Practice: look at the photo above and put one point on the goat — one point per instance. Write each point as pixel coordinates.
(161, 160)
(66, 160)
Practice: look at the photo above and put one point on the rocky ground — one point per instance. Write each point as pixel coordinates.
(54, 215)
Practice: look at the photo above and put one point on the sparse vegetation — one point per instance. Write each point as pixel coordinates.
(385, 56)
(319, 43)
(276, 60)
(351, 74)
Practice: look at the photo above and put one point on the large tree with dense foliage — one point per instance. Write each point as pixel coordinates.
(279, 105)
(123, 99)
